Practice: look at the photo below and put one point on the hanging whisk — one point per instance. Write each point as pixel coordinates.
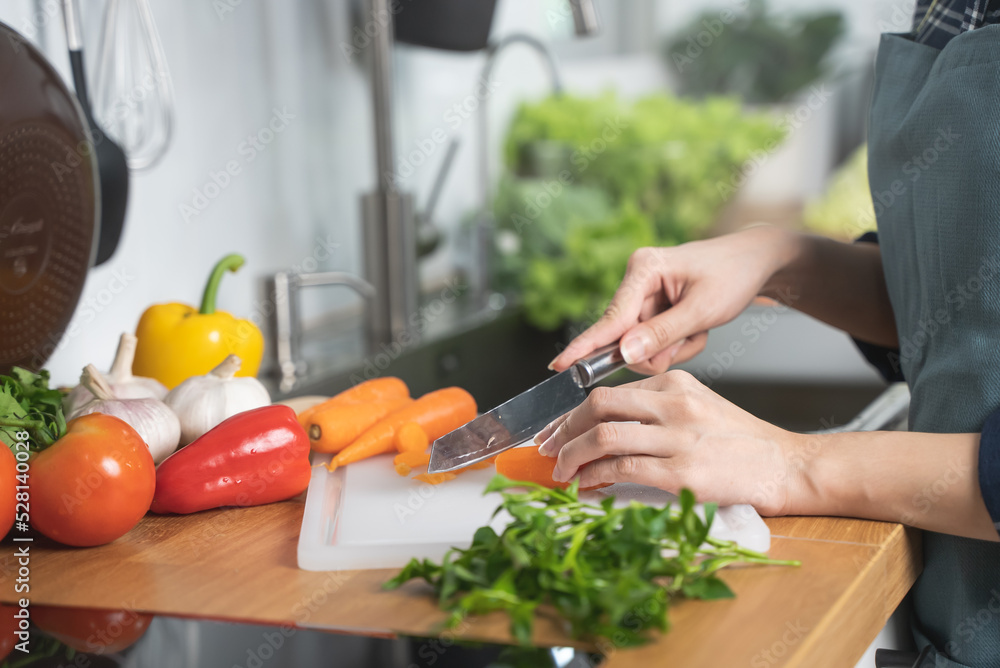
(134, 98)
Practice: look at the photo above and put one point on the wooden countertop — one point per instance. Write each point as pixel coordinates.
(240, 564)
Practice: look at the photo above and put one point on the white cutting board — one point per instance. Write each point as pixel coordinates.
(366, 516)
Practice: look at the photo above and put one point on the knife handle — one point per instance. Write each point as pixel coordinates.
(600, 364)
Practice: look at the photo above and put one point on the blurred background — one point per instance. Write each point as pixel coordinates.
(534, 171)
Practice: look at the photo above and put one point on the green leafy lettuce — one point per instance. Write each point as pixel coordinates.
(592, 179)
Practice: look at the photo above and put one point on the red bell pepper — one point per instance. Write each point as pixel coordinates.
(255, 457)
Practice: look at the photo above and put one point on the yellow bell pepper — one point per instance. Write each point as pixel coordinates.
(177, 342)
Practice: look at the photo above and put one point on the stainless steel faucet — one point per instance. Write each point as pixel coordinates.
(288, 319)
(585, 24)
(390, 230)
(484, 227)
(585, 21)
(387, 215)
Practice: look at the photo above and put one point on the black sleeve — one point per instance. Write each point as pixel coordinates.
(885, 360)
(989, 466)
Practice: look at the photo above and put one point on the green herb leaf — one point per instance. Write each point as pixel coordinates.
(610, 572)
(28, 404)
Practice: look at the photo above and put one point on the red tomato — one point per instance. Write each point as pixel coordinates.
(90, 630)
(7, 483)
(92, 485)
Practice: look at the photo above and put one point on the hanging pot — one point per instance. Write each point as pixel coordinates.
(48, 204)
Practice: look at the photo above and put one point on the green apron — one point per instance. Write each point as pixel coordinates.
(934, 168)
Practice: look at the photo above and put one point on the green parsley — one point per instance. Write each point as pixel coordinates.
(609, 572)
(27, 403)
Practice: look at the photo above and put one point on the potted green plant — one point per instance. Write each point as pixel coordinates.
(779, 61)
(590, 179)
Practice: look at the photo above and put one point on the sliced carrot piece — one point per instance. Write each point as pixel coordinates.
(437, 413)
(485, 464)
(406, 461)
(527, 465)
(336, 427)
(376, 389)
(411, 437)
(436, 478)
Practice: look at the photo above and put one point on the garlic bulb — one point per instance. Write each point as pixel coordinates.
(201, 402)
(152, 419)
(123, 384)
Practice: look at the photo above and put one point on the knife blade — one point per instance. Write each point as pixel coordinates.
(516, 420)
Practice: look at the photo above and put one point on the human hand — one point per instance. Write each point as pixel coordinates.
(670, 297)
(672, 432)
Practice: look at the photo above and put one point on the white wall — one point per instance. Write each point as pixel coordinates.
(229, 73)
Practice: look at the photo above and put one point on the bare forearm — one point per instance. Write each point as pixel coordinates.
(929, 481)
(841, 284)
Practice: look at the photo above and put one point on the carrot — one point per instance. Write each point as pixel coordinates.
(437, 413)
(336, 426)
(374, 390)
(412, 437)
(408, 460)
(486, 463)
(527, 465)
(436, 478)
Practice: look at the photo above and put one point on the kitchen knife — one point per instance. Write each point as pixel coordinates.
(515, 421)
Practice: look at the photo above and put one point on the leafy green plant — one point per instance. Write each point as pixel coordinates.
(592, 179)
(763, 58)
(610, 572)
(576, 284)
(27, 403)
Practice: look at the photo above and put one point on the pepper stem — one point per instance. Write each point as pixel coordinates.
(231, 262)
